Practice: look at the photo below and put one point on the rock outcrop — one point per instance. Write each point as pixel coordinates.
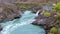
(8, 12)
(46, 22)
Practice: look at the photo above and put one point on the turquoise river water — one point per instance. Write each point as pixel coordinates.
(22, 25)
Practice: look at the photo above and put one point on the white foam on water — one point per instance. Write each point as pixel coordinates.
(37, 12)
(21, 24)
(11, 27)
(6, 29)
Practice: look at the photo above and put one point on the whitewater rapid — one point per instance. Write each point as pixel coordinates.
(12, 26)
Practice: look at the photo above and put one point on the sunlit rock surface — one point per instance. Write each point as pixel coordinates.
(8, 12)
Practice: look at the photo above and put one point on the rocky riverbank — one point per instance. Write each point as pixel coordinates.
(8, 12)
(46, 20)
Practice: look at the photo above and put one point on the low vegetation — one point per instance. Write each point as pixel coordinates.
(54, 30)
(26, 6)
(57, 7)
(47, 14)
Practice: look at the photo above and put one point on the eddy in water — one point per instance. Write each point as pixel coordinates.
(22, 25)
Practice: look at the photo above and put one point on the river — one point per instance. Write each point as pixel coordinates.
(22, 25)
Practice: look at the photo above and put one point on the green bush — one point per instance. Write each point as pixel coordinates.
(57, 7)
(54, 30)
(47, 14)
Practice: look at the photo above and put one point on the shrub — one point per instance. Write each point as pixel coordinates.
(54, 30)
(57, 7)
(47, 14)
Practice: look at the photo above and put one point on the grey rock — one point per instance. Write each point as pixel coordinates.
(8, 12)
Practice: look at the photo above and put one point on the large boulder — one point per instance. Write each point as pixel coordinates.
(8, 12)
(46, 22)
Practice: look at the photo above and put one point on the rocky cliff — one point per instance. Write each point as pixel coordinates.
(8, 12)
